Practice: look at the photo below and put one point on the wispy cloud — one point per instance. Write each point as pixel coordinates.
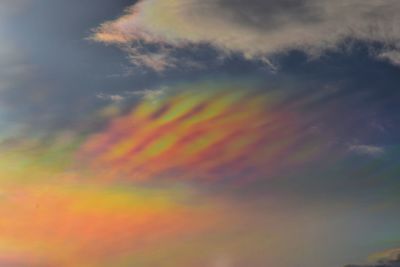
(158, 60)
(149, 94)
(115, 97)
(393, 56)
(145, 94)
(369, 150)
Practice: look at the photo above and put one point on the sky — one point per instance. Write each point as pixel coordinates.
(199, 133)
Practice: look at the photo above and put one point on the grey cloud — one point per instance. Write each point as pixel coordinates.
(272, 14)
(393, 56)
(256, 28)
(395, 262)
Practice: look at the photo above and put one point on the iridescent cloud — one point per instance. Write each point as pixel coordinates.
(135, 192)
(53, 214)
(211, 133)
(78, 224)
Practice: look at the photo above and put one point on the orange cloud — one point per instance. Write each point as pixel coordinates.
(86, 224)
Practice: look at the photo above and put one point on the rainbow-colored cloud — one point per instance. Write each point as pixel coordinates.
(201, 133)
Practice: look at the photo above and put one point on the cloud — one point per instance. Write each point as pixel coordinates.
(114, 98)
(151, 95)
(393, 56)
(146, 94)
(368, 150)
(254, 28)
(387, 255)
(387, 258)
(158, 61)
(221, 132)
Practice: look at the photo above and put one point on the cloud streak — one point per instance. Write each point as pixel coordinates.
(368, 150)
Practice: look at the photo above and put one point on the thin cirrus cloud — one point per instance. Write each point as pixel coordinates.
(256, 28)
(146, 94)
(369, 150)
